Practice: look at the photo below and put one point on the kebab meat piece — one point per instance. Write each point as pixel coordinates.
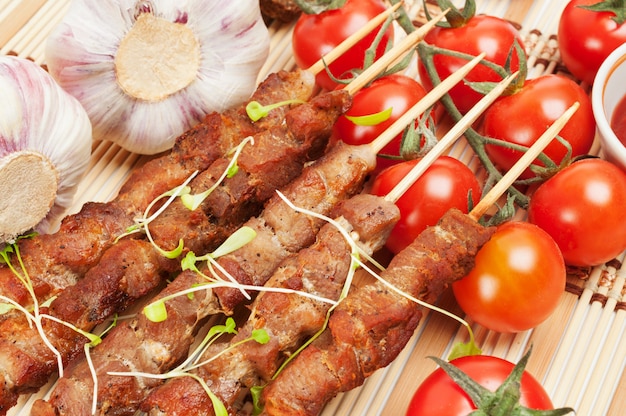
(290, 319)
(372, 325)
(276, 157)
(55, 261)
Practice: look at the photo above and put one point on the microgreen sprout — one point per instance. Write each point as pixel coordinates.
(192, 202)
(183, 369)
(172, 194)
(257, 111)
(156, 311)
(189, 200)
(371, 119)
(23, 277)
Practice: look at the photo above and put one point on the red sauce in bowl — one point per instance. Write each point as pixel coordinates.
(618, 120)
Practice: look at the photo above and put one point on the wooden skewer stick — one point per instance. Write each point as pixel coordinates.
(526, 160)
(422, 105)
(351, 40)
(448, 139)
(404, 46)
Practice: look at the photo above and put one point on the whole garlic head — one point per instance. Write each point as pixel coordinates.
(147, 71)
(45, 146)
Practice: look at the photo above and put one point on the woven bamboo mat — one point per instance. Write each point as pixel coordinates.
(579, 353)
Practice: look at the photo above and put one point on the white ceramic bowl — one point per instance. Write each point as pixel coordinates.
(609, 87)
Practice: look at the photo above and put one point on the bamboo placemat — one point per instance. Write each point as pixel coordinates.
(579, 353)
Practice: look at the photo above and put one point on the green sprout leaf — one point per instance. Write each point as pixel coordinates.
(257, 111)
(172, 254)
(6, 308)
(189, 262)
(238, 239)
(218, 406)
(227, 328)
(255, 392)
(193, 201)
(371, 119)
(156, 311)
(261, 336)
(464, 349)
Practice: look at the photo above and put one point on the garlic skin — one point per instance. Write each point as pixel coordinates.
(45, 147)
(124, 76)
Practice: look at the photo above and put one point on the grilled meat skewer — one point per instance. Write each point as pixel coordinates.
(55, 261)
(288, 318)
(108, 288)
(280, 233)
(242, 268)
(373, 323)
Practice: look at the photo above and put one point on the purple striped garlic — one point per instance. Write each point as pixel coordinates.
(45, 146)
(147, 71)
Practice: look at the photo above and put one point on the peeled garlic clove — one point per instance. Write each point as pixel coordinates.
(45, 146)
(147, 71)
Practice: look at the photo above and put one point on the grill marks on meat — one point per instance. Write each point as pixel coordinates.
(58, 260)
(281, 232)
(288, 318)
(373, 324)
(287, 146)
(108, 288)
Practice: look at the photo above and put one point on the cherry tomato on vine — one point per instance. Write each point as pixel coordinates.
(521, 118)
(446, 184)
(398, 92)
(481, 33)
(517, 280)
(583, 51)
(581, 207)
(315, 35)
(439, 395)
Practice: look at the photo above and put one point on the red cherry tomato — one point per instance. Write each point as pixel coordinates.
(581, 207)
(439, 395)
(315, 35)
(398, 92)
(521, 118)
(583, 51)
(517, 281)
(445, 184)
(481, 33)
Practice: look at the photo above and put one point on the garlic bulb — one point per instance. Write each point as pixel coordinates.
(45, 146)
(146, 71)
